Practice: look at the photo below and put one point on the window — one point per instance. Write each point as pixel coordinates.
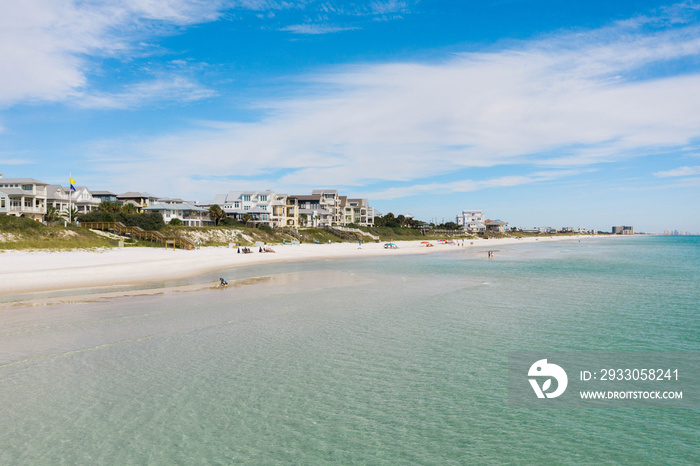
(2, 203)
(246, 198)
(27, 187)
(237, 205)
(264, 216)
(263, 198)
(246, 207)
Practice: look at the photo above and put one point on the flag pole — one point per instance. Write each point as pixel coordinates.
(70, 198)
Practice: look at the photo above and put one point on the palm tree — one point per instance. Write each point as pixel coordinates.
(51, 214)
(111, 207)
(216, 213)
(128, 209)
(73, 213)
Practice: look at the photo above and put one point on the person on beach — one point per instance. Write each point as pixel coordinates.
(222, 282)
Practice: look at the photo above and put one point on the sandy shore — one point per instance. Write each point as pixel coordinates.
(38, 271)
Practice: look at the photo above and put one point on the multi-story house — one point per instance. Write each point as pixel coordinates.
(83, 200)
(258, 207)
(57, 198)
(189, 214)
(105, 196)
(285, 211)
(312, 212)
(356, 211)
(62, 199)
(140, 200)
(330, 200)
(471, 220)
(24, 197)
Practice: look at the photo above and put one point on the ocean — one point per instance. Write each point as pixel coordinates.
(384, 360)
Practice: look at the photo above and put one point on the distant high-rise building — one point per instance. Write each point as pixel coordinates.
(623, 230)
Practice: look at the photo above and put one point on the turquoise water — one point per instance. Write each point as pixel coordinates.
(390, 360)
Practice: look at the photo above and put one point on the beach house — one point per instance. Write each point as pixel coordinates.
(105, 196)
(330, 200)
(313, 212)
(140, 200)
(82, 199)
(496, 225)
(189, 214)
(57, 198)
(62, 199)
(24, 197)
(356, 211)
(257, 207)
(471, 220)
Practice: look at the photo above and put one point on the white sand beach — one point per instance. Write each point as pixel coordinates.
(37, 271)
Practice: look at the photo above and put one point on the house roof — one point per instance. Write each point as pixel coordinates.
(135, 195)
(103, 193)
(22, 180)
(306, 197)
(324, 191)
(15, 191)
(51, 191)
(181, 207)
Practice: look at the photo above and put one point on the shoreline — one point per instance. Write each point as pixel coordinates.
(77, 271)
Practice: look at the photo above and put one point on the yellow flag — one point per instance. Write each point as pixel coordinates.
(72, 181)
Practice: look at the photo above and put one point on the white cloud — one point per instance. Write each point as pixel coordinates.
(176, 88)
(463, 186)
(566, 101)
(314, 29)
(45, 45)
(681, 171)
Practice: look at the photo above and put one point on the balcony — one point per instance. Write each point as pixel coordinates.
(26, 210)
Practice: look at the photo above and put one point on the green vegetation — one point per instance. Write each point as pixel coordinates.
(25, 233)
(153, 221)
(216, 213)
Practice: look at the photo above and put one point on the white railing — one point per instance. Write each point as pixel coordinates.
(30, 210)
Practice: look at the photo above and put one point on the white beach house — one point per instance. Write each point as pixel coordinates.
(471, 220)
(62, 199)
(23, 197)
(189, 214)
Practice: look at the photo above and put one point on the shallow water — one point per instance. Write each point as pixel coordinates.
(379, 360)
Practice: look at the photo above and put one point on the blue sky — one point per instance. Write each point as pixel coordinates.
(541, 113)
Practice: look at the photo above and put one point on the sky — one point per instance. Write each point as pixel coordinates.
(583, 113)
